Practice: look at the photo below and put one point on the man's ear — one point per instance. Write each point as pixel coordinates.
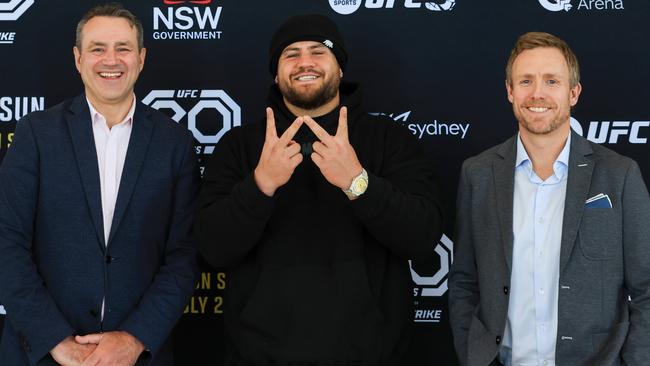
(509, 91)
(77, 58)
(575, 94)
(142, 55)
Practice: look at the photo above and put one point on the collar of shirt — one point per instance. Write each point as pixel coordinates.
(98, 118)
(560, 166)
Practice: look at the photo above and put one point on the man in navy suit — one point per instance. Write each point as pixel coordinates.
(97, 259)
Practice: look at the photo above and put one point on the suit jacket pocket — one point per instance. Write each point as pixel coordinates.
(607, 346)
(600, 234)
(481, 346)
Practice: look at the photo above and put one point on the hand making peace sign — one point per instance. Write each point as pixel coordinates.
(334, 155)
(280, 156)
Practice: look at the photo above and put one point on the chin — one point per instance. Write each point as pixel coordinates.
(541, 129)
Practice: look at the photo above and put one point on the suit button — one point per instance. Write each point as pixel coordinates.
(109, 259)
(26, 345)
(506, 290)
(498, 340)
(93, 313)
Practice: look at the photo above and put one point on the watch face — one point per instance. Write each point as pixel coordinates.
(360, 185)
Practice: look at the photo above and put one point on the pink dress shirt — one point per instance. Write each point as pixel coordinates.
(111, 145)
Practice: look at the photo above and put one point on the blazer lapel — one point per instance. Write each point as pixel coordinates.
(136, 152)
(504, 182)
(578, 183)
(83, 141)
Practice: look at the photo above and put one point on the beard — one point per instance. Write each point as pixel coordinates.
(307, 99)
(543, 128)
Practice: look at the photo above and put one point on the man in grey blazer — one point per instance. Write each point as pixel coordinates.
(553, 257)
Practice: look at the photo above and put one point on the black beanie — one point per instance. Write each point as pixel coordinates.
(313, 27)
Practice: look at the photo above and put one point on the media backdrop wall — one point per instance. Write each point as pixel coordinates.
(436, 67)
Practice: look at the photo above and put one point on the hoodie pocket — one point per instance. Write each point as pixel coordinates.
(316, 312)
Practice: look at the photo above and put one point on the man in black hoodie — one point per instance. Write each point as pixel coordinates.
(315, 214)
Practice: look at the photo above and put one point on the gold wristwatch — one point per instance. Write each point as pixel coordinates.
(358, 186)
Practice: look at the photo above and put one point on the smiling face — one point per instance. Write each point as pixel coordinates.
(541, 93)
(109, 60)
(309, 76)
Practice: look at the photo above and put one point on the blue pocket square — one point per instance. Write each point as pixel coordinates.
(599, 201)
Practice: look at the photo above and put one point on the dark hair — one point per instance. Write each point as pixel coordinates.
(110, 10)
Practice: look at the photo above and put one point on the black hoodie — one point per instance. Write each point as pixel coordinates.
(314, 278)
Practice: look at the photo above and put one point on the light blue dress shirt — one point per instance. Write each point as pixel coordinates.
(538, 209)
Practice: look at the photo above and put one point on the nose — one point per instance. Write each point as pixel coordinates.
(110, 57)
(538, 90)
(306, 60)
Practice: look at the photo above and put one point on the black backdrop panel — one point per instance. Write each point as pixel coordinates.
(436, 67)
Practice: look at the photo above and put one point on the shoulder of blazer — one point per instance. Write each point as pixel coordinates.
(160, 120)
(504, 150)
(49, 116)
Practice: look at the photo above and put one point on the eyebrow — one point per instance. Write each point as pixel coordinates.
(312, 47)
(104, 44)
(546, 76)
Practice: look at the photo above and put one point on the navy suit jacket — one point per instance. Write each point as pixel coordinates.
(55, 267)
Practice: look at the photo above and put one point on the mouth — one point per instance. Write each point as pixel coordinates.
(111, 75)
(538, 109)
(306, 77)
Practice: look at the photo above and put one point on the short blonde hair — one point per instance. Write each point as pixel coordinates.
(531, 40)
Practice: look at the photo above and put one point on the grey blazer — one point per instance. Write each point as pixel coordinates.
(605, 257)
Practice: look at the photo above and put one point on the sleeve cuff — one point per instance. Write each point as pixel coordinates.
(255, 201)
(369, 204)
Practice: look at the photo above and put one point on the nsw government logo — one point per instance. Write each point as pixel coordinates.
(208, 114)
(346, 7)
(432, 285)
(565, 5)
(186, 20)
